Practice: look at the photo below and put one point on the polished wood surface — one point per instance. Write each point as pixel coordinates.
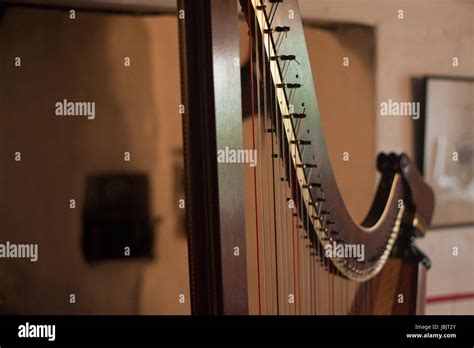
(214, 191)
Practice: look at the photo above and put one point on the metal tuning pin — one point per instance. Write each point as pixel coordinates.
(282, 29)
(320, 199)
(293, 85)
(306, 165)
(300, 142)
(311, 185)
(284, 57)
(288, 85)
(292, 116)
(279, 29)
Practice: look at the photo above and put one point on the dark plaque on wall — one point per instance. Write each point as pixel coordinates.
(116, 217)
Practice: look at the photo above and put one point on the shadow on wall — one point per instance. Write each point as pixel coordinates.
(45, 158)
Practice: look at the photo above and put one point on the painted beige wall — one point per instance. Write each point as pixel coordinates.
(136, 111)
(423, 43)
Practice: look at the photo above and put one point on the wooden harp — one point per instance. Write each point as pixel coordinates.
(304, 260)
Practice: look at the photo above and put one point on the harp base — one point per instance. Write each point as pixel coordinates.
(402, 282)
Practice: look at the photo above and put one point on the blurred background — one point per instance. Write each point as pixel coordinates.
(124, 56)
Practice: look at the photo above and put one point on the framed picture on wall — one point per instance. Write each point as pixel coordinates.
(449, 148)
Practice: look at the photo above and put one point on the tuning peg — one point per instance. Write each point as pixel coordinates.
(306, 165)
(311, 185)
(279, 29)
(300, 142)
(288, 85)
(284, 57)
(291, 116)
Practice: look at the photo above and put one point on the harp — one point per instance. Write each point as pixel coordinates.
(304, 241)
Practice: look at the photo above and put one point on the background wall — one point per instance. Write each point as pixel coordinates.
(136, 112)
(423, 43)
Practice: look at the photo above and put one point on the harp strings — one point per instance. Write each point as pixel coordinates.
(268, 199)
(270, 184)
(294, 276)
(282, 199)
(254, 148)
(284, 269)
(277, 198)
(261, 153)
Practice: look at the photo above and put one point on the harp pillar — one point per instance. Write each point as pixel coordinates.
(214, 191)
